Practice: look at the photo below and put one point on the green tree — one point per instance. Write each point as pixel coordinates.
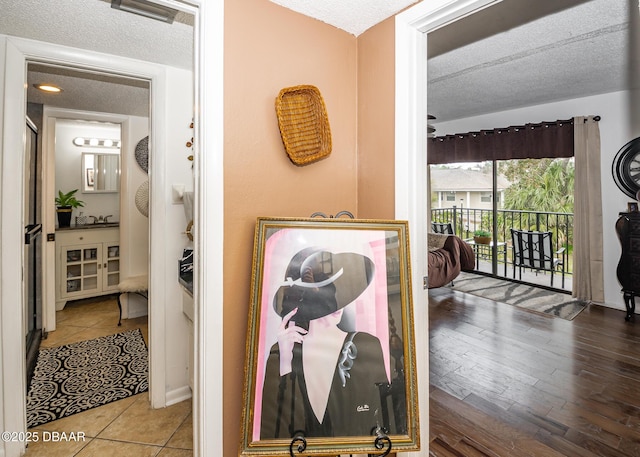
(544, 185)
(541, 186)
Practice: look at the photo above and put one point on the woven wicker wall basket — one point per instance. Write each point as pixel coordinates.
(304, 124)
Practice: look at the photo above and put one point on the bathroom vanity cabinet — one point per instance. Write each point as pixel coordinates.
(88, 263)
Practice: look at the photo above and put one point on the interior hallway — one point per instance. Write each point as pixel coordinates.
(125, 427)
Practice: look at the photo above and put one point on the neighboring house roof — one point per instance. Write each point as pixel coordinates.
(463, 179)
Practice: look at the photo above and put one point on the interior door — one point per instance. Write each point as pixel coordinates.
(32, 274)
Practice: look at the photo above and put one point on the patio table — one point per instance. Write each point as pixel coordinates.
(486, 249)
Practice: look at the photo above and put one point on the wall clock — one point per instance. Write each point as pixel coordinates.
(626, 168)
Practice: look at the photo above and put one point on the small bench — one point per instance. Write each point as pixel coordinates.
(132, 285)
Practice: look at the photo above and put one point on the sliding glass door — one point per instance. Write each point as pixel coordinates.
(484, 201)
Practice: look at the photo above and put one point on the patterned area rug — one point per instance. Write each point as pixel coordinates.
(520, 295)
(76, 377)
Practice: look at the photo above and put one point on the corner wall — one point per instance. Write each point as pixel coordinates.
(376, 121)
(267, 48)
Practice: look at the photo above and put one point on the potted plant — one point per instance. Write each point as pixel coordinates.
(482, 237)
(64, 206)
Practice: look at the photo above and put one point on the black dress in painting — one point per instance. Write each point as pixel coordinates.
(353, 407)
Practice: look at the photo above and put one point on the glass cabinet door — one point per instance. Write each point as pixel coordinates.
(90, 268)
(111, 266)
(83, 269)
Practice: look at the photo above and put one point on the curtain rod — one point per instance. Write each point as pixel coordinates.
(514, 127)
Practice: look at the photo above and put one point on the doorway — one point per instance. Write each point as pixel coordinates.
(412, 27)
(495, 196)
(61, 128)
(208, 62)
(17, 57)
(78, 117)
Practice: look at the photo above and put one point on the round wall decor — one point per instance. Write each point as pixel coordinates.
(142, 153)
(142, 198)
(626, 168)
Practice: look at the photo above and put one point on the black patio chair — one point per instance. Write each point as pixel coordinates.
(534, 250)
(442, 227)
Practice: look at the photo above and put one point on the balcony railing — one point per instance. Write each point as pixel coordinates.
(467, 220)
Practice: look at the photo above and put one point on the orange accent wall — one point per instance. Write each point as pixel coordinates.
(376, 121)
(267, 48)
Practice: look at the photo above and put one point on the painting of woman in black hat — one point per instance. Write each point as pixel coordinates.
(322, 376)
(329, 359)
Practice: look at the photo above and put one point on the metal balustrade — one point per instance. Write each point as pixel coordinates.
(467, 220)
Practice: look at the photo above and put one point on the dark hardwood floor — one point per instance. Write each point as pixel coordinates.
(506, 382)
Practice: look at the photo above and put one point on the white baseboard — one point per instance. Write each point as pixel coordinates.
(178, 395)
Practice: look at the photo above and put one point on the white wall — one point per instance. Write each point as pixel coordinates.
(134, 226)
(137, 236)
(68, 166)
(177, 169)
(616, 129)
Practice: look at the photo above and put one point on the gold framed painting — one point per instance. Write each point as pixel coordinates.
(330, 363)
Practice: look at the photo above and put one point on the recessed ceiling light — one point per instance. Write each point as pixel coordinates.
(48, 88)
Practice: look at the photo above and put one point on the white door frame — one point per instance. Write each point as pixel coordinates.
(412, 27)
(208, 396)
(19, 52)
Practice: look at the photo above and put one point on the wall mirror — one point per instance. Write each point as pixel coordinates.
(100, 172)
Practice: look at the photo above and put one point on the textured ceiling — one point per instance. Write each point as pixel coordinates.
(93, 24)
(85, 91)
(515, 54)
(353, 16)
(510, 56)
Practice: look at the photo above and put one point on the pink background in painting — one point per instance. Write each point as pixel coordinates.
(370, 308)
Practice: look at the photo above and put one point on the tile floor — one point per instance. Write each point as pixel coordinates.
(126, 427)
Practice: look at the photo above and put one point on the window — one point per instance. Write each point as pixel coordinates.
(485, 197)
(450, 196)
